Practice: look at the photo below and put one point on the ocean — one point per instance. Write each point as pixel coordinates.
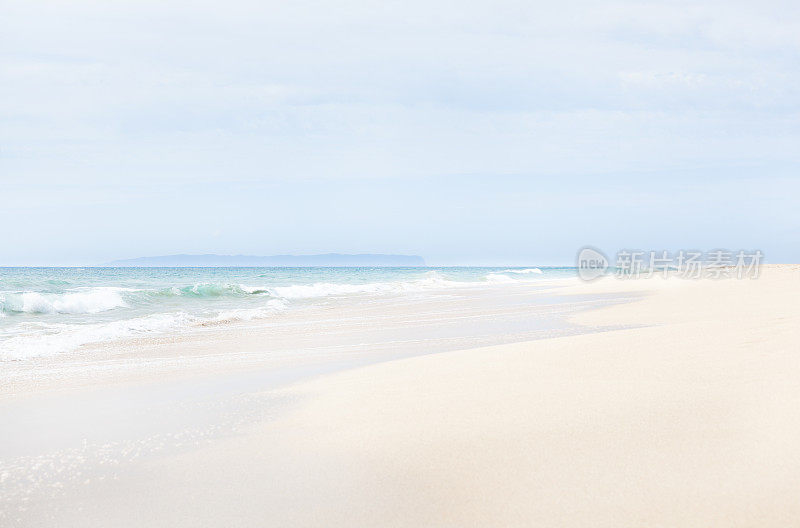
(51, 311)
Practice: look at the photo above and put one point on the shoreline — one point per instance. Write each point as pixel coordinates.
(282, 338)
(41, 317)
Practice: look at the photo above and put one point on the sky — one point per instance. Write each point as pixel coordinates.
(474, 133)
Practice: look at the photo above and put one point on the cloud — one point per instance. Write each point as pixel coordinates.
(304, 94)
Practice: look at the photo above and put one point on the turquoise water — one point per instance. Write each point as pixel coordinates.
(47, 311)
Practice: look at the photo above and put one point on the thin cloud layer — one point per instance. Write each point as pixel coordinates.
(300, 97)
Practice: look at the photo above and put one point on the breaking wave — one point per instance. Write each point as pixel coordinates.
(90, 301)
(48, 316)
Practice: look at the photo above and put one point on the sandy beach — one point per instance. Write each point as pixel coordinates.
(415, 264)
(662, 402)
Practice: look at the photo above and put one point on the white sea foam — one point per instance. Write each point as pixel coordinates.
(89, 301)
(499, 278)
(247, 314)
(326, 289)
(43, 339)
(524, 271)
(59, 338)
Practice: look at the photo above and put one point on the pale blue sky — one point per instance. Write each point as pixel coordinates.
(469, 133)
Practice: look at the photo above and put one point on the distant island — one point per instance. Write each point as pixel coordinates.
(326, 260)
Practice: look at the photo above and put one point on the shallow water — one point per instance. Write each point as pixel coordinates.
(50, 311)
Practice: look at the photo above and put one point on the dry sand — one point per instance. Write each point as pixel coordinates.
(689, 417)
